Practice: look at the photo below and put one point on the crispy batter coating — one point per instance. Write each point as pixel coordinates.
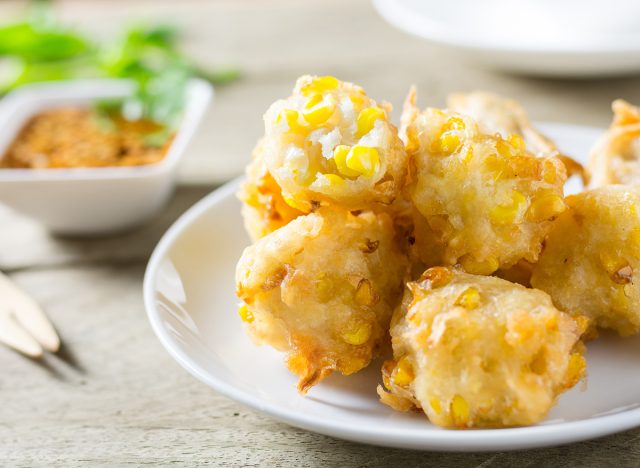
(591, 258)
(478, 351)
(263, 207)
(322, 289)
(615, 159)
(329, 143)
(496, 114)
(485, 199)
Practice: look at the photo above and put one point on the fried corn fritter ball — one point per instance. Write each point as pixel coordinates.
(496, 114)
(478, 351)
(591, 260)
(322, 289)
(263, 207)
(329, 143)
(615, 159)
(486, 200)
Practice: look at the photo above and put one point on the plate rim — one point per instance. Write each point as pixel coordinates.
(473, 440)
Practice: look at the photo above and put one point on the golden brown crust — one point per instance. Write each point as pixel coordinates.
(322, 289)
(486, 201)
(592, 256)
(478, 351)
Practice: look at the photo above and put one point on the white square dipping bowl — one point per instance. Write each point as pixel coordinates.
(91, 201)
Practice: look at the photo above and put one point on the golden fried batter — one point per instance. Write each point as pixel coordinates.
(478, 351)
(615, 159)
(496, 114)
(263, 208)
(591, 258)
(322, 289)
(485, 199)
(329, 143)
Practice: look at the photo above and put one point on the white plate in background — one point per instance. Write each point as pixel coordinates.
(189, 296)
(564, 38)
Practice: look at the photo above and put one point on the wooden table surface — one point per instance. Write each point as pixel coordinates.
(114, 396)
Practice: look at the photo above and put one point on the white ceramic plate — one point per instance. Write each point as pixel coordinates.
(541, 37)
(189, 296)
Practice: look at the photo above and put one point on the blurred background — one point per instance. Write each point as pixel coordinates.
(272, 42)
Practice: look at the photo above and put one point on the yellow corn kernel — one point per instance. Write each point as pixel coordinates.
(506, 214)
(364, 159)
(477, 267)
(245, 314)
(435, 405)
(505, 149)
(291, 117)
(317, 111)
(320, 84)
(357, 100)
(546, 207)
(324, 288)
(448, 143)
(334, 180)
(367, 118)
(454, 123)
(289, 200)
(437, 277)
(469, 299)
(402, 374)
(517, 142)
(352, 365)
(459, 410)
(357, 335)
(340, 153)
(365, 294)
(549, 173)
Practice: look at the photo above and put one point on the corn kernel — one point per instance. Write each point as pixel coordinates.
(364, 159)
(358, 335)
(448, 143)
(340, 153)
(506, 214)
(289, 200)
(320, 84)
(365, 295)
(546, 207)
(367, 119)
(402, 374)
(517, 142)
(291, 117)
(477, 267)
(324, 288)
(435, 405)
(357, 100)
(245, 314)
(454, 123)
(437, 277)
(460, 410)
(317, 111)
(334, 180)
(505, 149)
(549, 173)
(469, 299)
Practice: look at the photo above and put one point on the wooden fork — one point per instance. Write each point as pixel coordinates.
(23, 325)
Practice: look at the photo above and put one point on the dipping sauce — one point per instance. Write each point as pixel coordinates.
(80, 137)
